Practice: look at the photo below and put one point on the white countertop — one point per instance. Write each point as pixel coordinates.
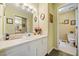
(10, 43)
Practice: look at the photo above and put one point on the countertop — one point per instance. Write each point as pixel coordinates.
(10, 43)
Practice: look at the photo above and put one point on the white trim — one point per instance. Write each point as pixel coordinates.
(58, 34)
(57, 29)
(78, 30)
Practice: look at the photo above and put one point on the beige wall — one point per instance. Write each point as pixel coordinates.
(43, 24)
(35, 14)
(52, 31)
(43, 8)
(65, 28)
(1, 20)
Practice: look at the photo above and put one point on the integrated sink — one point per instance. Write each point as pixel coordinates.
(15, 36)
(22, 36)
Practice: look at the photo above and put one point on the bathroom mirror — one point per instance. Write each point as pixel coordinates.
(16, 19)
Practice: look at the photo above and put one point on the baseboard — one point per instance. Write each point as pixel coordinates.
(50, 50)
(62, 51)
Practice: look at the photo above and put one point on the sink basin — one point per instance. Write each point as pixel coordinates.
(22, 36)
(15, 36)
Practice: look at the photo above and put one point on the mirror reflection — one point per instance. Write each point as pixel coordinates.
(20, 24)
(18, 20)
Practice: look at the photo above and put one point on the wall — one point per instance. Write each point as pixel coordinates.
(12, 11)
(65, 28)
(43, 8)
(35, 14)
(43, 24)
(1, 21)
(52, 31)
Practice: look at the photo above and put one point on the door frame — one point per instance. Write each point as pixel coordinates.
(77, 51)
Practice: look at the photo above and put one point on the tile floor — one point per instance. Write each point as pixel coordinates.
(55, 52)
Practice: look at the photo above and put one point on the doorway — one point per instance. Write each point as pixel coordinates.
(66, 28)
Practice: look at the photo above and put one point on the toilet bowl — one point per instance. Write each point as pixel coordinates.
(71, 38)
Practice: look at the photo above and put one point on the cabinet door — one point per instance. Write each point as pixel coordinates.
(33, 48)
(20, 50)
(44, 44)
(36, 48)
(39, 46)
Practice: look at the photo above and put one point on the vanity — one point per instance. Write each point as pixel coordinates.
(34, 45)
(17, 24)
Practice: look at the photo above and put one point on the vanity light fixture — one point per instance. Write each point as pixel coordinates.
(17, 4)
(4, 4)
(28, 9)
(60, 9)
(25, 6)
(32, 11)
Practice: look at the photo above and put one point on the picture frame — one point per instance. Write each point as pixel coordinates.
(73, 22)
(42, 16)
(66, 21)
(50, 18)
(9, 21)
(35, 19)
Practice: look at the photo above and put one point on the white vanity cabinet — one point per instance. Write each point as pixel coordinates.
(19, 50)
(36, 47)
(33, 48)
(44, 45)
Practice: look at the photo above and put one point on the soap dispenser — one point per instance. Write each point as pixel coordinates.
(7, 36)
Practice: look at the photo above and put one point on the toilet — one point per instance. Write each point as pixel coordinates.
(71, 38)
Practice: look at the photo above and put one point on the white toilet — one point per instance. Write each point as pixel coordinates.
(71, 38)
